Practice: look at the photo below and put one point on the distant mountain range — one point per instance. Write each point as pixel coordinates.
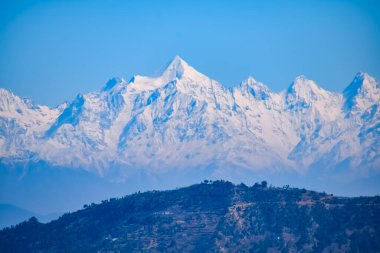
(185, 120)
(11, 215)
(182, 127)
(209, 217)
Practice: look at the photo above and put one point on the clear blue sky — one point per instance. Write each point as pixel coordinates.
(52, 50)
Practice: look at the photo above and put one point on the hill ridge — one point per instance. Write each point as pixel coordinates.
(209, 217)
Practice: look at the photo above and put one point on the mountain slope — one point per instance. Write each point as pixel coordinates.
(209, 217)
(21, 122)
(184, 121)
(10, 215)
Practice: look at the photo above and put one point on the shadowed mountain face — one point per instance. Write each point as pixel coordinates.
(209, 217)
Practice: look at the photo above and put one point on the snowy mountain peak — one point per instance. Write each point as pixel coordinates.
(176, 68)
(363, 81)
(4, 93)
(255, 88)
(362, 92)
(303, 92)
(362, 76)
(179, 69)
(113, 82)
(304, 88)
(183, 119)
(302, 83)
(252, 82)
(10, 100)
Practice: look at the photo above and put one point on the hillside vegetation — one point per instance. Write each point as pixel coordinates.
(209, 217)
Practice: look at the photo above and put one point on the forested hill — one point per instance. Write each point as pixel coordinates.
(209, 217)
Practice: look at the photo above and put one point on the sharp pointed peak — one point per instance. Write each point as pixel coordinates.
(176, 70)
(5, 93)
(177, 61)
(177, 66)
(363, 91)
(363, 76)
(250, 79)
(305, 88)
(252, 82)
(302, 78)
(255, 88)
(177, 58)
(112, 83)
(8, 96)
(302, 82)
(361, 80)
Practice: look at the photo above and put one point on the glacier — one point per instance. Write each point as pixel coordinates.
(183, 122)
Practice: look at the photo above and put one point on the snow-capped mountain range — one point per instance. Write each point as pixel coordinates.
(183, 120)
